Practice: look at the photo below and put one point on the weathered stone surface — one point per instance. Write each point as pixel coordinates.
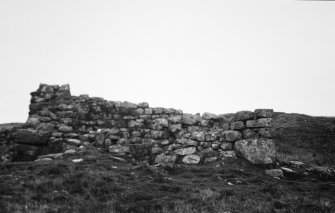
(100, 139)
(186, 151)
(191, 159)
(228, 154)
(118, 149)
(175, 128)
(209, 116)
(34, 137)
(65, 128)
(175, 119)
(190, 119)
(260, 123)
(143, 105)
(129, 105)
(248, 134)
(244, 115)
(257, 151)
(52, 156)
(228, 117)
(211, 159)
(162, 121)
(211, 136)
(232, 136)
(46, 127)
(148, 111)
(198, 136)
(165, 159)
(226, 146)
(237, 125)
(32, 122)
(264, 113)
(274, 173)
(74, 142)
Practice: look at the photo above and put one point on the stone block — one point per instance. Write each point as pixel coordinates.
(244, 115)
(264, 113)
(260, 123)
(191, 159)
(257, 151)
(232, 135)
(237, 125)
(185, 151)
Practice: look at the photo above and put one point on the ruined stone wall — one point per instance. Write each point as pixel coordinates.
(141, 131)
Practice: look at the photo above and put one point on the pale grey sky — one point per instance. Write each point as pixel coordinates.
(198, 56)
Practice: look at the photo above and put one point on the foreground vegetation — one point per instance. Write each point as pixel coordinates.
(102, 184)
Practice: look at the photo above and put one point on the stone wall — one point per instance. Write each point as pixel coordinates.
(62, 121)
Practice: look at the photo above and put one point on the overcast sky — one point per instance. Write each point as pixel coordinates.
(198, 56)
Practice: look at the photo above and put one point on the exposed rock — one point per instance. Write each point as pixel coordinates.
(52, 156)
(186, 151)
(274, 173)
(191, 159)
(34, 137)
(127, 104)
(77, 160)
(70, 151)
(165, 159)
(257, 151)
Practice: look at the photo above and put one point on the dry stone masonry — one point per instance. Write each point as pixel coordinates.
(60, 122)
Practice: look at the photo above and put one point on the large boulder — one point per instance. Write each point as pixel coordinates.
(33, 137)
(257, 151)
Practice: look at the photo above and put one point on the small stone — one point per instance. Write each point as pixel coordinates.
(70, 151)
(237, 125)
(226, 146)
(52, 156)
(74, 142)
(118, 149)
(185, 151)
(175, 119)
(162, 121)
(65, 128)
(199, 136)
(274, 173)
(204, 123)
(191, 159)
(165, 159)
(77, 160)
(296, 164)
(139, 111)
(100, 138)
(211, 159)
(175, 128)
(211, 136)
(156, 150)
(43, 159)
(148, 111)
(228, 154)
(165, 142)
